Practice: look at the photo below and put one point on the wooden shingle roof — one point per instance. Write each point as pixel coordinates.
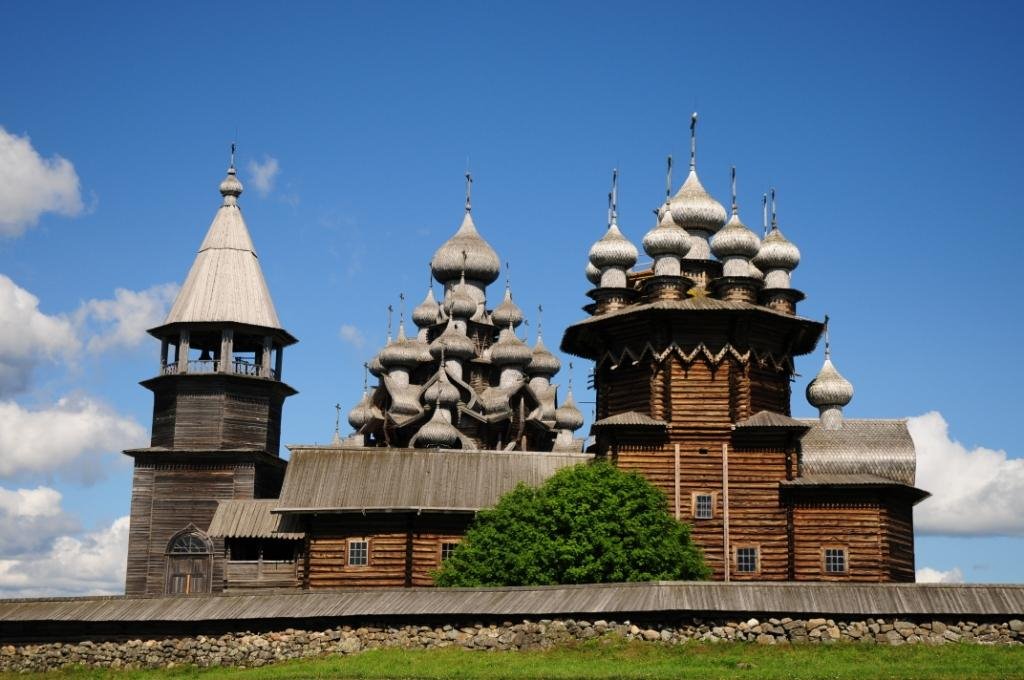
(252, 518)
(330, 479)
(860, 447)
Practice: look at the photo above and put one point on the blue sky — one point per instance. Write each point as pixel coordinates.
(890, 132)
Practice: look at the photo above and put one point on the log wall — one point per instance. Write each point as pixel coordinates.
(404, 549)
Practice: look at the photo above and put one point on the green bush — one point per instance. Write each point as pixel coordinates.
(587, 524)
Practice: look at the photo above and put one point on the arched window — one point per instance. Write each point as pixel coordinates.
(189, 557)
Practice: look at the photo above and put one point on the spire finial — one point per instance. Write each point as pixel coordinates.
(570, 377)
(775, 222)
(401, 310)
(609, 209)
(469, 190)
(614, 195)
(735, 207)
(508, 280)
(828, 343)
(337, 420)
(366, 379)
(668, 179)
(231, 166)
(693, 141)
(764, 213)
(391, 310)
(540, 320)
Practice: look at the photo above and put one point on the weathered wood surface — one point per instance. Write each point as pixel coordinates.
(669, 598)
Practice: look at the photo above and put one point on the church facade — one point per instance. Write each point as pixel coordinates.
(693, 363)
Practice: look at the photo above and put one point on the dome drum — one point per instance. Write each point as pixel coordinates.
(666, 288)
(781, 299)
(736, 289)
(610, 299)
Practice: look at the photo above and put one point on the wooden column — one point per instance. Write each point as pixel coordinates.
(183, 351)
(227, 351)
(164, 346)
(725, 510)
(676, 483)
(278, 362)
(265, 357)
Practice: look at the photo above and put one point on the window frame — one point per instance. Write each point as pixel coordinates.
(824, 560)
(440, 549)
(349, 543)
(736, 559)
(693, 504)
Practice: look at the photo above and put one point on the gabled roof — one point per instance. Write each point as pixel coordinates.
(763, 420)
(630, 419)
(252, 518)
(860, 447)
(321, 479)
(225, 283)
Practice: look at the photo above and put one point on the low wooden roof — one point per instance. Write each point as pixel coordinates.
(770, 420)
(330, 479)
(629, 419)
(882, 448)
(667, 597)
(253, 519)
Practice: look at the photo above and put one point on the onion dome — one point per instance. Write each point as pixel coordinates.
(231, 187)
(459, 303)
(401, 353)
(567, 416)
(442, 392)
(735, 240)
(542, 362)
(425, 314)
(453, 344)
(507, 313)
(777, 252)
(437, 433)
(593, 273)
(360, 415)
(667, 238)
(481, 262)
(693, 208)
(613, 250)
(375, 367)
(829, 389)
(510, 350)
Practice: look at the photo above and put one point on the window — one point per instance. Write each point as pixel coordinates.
(746, 560)
(189, 544)
(358, 553)
(835, 560)
(447, 548)
(703, 506)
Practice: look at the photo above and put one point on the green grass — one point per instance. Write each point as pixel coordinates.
(610, 658)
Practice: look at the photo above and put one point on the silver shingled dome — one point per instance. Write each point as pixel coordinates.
(426, 313)
(437, 433)
(777, 252)
(567, 416)
(667, 238)
(613, 250)
(693, 208)
(508, 312)
(543, 362)
(829, 388)
(481, 262)
(735, 240)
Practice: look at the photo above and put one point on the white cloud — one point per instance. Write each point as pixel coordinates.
(352, 335)
(27, 337)
(929, 575)
(65, 438)
(976, 491)
(30, 520)
(262, 175)
(31, 185)
(122, 322)
(93, 564)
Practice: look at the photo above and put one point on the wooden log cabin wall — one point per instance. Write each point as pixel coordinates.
(693, 367)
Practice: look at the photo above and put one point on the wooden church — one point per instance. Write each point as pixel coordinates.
(693, 365)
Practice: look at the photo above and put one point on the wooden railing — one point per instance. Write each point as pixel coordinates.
(199, 366)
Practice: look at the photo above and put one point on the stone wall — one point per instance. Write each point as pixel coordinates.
(250, 650)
